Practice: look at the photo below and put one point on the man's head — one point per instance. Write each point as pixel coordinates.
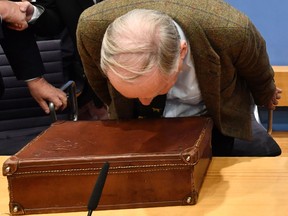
(142, 54)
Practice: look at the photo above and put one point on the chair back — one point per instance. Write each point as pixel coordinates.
(21, 118)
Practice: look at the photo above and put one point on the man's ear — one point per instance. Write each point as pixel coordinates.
(183, 49)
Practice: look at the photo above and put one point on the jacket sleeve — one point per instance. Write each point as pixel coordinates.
(254, 66)
(1, 31)
(91, 63)
(22, 52)
(50, 22)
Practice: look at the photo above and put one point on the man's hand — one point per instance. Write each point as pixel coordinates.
(44, 92)
(26, 7)
(274, 100)
(14, 14)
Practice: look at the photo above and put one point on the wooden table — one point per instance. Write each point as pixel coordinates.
(233, 186)
(281, 79)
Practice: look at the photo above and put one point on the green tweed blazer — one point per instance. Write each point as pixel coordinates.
(231, 62)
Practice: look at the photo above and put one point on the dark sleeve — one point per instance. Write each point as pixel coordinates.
(1, 79)
(50, 22)
(22, 52)
(1, 31)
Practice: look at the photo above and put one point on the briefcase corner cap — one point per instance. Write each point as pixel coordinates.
(16, 209)
(10, 166)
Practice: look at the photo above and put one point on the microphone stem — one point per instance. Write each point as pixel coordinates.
(90, 212)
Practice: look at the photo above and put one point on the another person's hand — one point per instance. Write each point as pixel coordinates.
(44, 92)
(26, 7)
(274, 100)
(15, 14)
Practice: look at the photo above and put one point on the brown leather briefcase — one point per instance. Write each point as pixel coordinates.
(153, 162)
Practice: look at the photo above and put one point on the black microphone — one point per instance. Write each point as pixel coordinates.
(97, 191)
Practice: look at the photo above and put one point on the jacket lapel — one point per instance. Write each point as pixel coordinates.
(207, 65)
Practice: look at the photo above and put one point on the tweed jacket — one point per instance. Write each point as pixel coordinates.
(231, 62)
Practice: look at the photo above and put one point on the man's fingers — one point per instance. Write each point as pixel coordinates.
(64, 100)
(271, 106)
(61, 102)
(44, 106)
(58, 104)
(23, 6)
(18, 26)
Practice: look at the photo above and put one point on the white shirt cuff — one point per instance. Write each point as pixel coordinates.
(38, 10)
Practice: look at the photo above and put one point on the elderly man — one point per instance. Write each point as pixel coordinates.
(206, 57)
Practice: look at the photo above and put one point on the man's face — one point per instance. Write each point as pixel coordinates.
(149, 85)
(145, 87)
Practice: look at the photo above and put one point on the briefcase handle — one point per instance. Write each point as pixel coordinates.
(70, 89)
